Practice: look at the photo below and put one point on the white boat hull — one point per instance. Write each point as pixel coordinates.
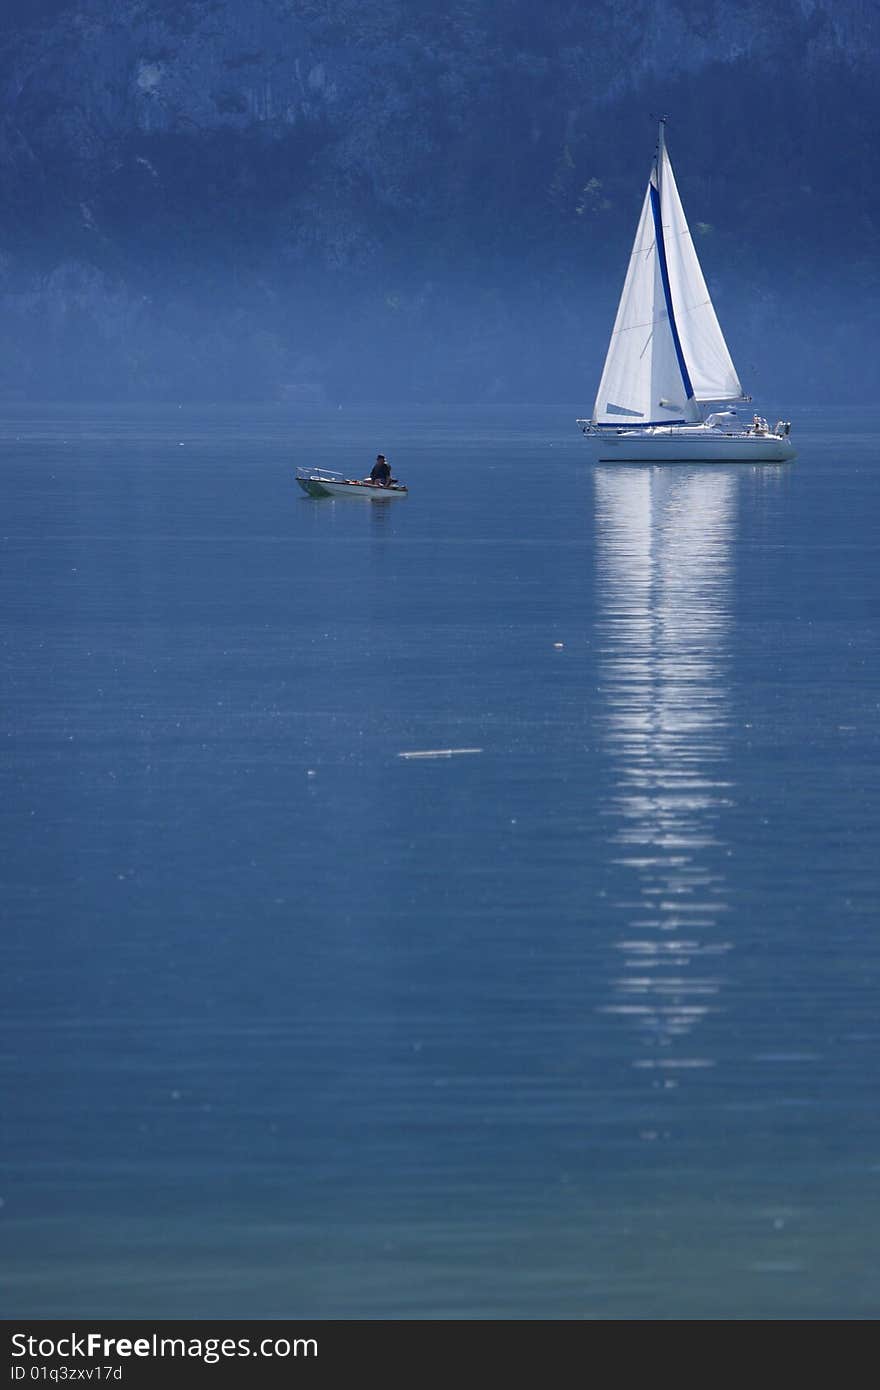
(697, 446)
(369, 492)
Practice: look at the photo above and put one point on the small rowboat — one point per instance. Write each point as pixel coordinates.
(321, 482)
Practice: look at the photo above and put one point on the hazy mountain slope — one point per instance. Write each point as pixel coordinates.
(422, 199)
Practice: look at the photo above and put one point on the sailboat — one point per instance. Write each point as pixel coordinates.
(667, 360)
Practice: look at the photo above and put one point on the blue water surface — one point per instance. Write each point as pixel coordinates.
(583, 1024)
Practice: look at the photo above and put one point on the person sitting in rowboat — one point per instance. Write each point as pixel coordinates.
(381, 471)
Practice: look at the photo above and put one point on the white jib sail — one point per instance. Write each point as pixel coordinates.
(712, 373)
(642, 381)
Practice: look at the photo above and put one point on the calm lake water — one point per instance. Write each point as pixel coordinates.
(581, 1025)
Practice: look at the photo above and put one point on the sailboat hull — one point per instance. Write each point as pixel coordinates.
(697, 447)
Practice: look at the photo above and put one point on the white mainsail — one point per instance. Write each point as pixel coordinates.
(667, 352)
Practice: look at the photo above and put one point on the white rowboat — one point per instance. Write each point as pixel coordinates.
(321, 482)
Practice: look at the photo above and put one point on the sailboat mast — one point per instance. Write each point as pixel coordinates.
(661, 150)
(656, 194)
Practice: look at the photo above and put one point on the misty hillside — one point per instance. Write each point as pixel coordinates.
(412, 199)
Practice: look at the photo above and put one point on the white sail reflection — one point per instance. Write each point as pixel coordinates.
(664, 575)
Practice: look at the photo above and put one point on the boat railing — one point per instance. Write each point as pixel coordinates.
(303, 472)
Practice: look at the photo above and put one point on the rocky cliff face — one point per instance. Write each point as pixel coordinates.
(248, 195)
